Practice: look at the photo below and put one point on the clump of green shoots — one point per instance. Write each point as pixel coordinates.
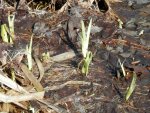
(87, 55)
(7, 33)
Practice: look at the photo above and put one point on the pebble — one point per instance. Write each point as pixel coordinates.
(96, 29)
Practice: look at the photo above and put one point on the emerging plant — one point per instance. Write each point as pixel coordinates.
(11, 18)
(133, 82)
(122, 67)
(45, 56)
(13, 74)
(86, 62)
(29, 53)
(132, 86)
(120, 23)
(5, 30)
(87, 55)
(4, 34)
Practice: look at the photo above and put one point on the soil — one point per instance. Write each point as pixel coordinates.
(56, 52)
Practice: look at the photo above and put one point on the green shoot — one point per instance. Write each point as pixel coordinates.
(87, 55)
(13, 74)
(141, 32)
(86, 63)
(45, 56)
(122, 67)
(85, 38)
(4, 34)
(29, 53)
(132, 86)
(11, 19)
(120, 23)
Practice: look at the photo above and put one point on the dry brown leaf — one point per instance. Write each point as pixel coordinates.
(23, 97)
(11, 84)
(31, 77)
(40, 67)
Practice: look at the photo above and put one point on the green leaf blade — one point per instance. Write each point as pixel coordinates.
(132, 86)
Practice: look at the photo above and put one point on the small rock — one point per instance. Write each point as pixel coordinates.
(131, 24)
(96, 29)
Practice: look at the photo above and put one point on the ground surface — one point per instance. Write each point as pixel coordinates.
(57, 32)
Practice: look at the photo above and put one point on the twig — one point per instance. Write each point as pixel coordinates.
(70, 83)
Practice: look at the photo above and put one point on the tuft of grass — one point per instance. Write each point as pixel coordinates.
(87, 55)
